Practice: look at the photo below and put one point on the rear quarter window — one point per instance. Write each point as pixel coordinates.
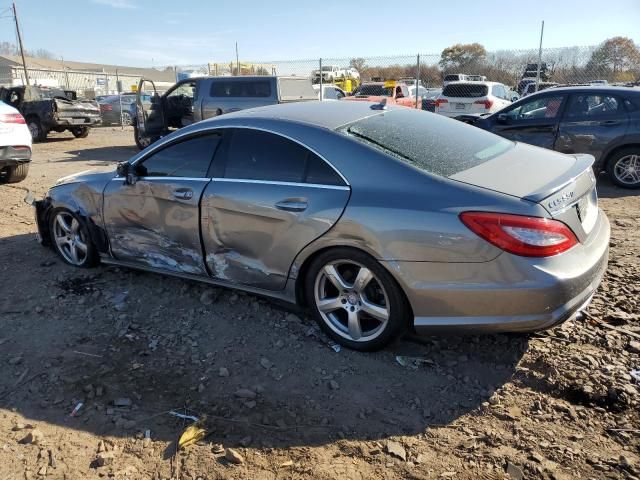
(431, 143)
(241, 89)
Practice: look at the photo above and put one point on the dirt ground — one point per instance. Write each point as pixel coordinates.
(133, 346)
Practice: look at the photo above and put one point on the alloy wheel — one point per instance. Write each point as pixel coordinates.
(351, 300)
(69, 238)
(627, 170)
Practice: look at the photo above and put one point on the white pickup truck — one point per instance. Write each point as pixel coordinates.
(330, 73)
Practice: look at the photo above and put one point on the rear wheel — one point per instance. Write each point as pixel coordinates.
(355, 300)
(16, 173)
(80, 132)
(126, 118)
(624, 167)
(71, 239)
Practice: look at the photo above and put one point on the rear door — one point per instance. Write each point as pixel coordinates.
(591, 122)
(149, 114)
(274, 198)
(155, 220)
(534, 121)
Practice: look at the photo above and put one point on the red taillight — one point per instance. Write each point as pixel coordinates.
(520, 235)
(12, 118)
(440, 101)
(105, 107)
(486, 103)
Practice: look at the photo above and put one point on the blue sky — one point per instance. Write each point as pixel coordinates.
(168, 32)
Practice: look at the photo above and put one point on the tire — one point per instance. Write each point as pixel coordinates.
(623, 167)
(381, 295)
(126, 118)
(68, 234)
(17, 173)
(80, 132)
(38, 134)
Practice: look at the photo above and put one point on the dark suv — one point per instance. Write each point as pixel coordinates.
(601, 121)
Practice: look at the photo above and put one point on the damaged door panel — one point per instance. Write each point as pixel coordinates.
(276, 197)
(152, 215)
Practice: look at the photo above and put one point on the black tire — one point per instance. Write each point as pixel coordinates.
(91, 258)
(80, 132)
(38, 134)
(17, 173)
(616, 170)
(126, 118)
(399, 311)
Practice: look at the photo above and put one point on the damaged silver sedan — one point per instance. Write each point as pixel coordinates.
(376, 219)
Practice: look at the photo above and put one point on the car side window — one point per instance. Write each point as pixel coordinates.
(189, 158)
(257, 155)
(330, 94)
(589, 107)
(539, 108)
(339, 94)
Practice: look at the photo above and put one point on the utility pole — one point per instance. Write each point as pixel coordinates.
(24, 63)
(237, 61)
(539, 57)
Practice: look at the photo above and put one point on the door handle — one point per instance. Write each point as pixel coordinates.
(610, 123)
(292, 205)
(183, 194)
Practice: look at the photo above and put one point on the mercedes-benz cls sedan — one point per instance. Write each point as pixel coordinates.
(377, 219)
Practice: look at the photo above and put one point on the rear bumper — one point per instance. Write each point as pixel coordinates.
(11, 156)
(78, 121)
(507, 294)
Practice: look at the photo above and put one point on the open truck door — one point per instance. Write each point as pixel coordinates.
(149, 122)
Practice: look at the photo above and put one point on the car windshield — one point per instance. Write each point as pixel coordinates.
(430, 143)
(374, 90)
(465, 90)
(52, 93)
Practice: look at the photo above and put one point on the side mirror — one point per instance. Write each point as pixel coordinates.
(502, 118)
(124, 170)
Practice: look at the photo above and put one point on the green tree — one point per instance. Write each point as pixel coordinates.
(462, 56)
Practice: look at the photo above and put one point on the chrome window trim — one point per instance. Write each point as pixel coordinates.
(214, 128)
(276, 182)
(196, 179)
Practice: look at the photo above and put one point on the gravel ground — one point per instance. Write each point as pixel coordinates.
(279, 402)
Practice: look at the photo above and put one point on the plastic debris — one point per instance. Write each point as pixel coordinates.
(336, 348)
(77, 408)
(194, 433)
(635, 374)
(413, 362)
(182, 415)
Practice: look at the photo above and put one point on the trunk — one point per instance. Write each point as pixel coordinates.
(563, 184)
(76, 109)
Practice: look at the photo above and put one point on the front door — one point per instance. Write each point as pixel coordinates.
(154, 219)
(149, 113)
(273, 199)
(534, 121)
(591, 122)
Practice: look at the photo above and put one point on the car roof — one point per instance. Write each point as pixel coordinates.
(475, 82)
(329, 115)
(593, 88)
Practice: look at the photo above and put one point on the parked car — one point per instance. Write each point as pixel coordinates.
(476, 78)
(428, 97)
(195, 99)
(531, 87)
(46, 109)
(375, 220)
(15, 145)
(471, 97)
(601, 121)
(111, 112)
(329, 91)
(599, 82)
(331, 73)
(389, 92)
(454, 77)
(512, 95)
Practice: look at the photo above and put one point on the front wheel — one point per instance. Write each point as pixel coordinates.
(624, 168)
(71, 239)
(38, 134)
(355, 300)
(80, 132)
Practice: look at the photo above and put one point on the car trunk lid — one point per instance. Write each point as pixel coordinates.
(564, 185)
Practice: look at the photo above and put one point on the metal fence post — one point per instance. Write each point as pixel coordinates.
(417, 77)
(539, 58)
(321, 79)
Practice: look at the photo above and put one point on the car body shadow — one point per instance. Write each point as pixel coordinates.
(607, 189)
(133, 346)
(113, 154)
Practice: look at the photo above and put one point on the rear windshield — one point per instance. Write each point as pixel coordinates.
(374, 90)
(432, 143)
(296, 89)
(241, 88)
(466, 90)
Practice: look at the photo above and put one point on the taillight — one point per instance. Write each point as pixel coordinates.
(12, 118)
(105, 107)
(521, 235)
(440, 101)
(486, 103)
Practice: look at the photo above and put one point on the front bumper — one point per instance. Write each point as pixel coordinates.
(507, 294)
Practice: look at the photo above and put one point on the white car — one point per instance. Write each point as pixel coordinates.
(15, 145)
(330, 73)
(463, 98)
(329, 92)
